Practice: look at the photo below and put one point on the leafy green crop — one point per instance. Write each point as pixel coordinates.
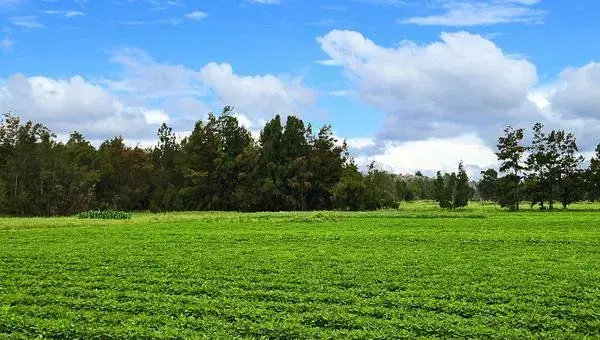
(104, 215)
(478, 273)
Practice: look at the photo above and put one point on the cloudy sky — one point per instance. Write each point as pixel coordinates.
(412, 85)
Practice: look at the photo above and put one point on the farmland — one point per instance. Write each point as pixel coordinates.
(417, 272)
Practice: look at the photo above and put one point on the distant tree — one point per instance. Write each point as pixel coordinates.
(444, 186)
(570, 177)
(488, 185)
(326, 165)
(510, 154)
(125, 173)
(462, 191)
(453, 190)
(592, 176)
(168, 172)
(380, 189)
(553, 172)
(349, 192)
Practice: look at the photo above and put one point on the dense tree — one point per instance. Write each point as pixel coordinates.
(444, 185)
(349, 192)
(219, 166)
(453, 190)
(462, 191)
(488, 185)
(553, 172)
(510, 154)
(125, 173)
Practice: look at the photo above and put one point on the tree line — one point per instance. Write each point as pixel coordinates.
(219, 166)
(546, 172)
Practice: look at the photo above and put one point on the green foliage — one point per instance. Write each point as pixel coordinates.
(419, 272)
(510, 154)
(220, 166)
(453, 190)
(592, 176)
(553, 172)
(488, 185)
(104, 215)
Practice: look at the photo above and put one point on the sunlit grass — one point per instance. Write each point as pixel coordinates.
(417, 271)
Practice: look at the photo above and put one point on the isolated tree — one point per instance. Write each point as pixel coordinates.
(510, 154)
(488, 185)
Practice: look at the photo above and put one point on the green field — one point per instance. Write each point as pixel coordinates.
(417, 272)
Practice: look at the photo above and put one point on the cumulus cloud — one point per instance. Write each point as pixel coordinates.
(146, 94)
(577, 92)
(258, 94)
(196, 15)
(433, 154)
(66, 105)
(144, 75)
(463, 83)
(572, 103)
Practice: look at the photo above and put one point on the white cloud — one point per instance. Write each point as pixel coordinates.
(433, 154)
(577, 92)
(27, 22)
(463, 83)
(360, 142)
(145, 76)
(155, 116)
(146, 94)
(259, 94)
(196, 15)
(72, 104)
(267, 2)
(66, 14)
(476, 13)
(6, 43)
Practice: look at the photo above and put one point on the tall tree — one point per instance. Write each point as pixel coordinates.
(444, 186)
(168, 174)
(510, 154)
(570, 175)
(462, 191)
(272, 194)
(326, 165)
(592, 176)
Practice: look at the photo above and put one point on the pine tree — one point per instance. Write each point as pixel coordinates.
(462, 191)
(510, 153)
(592, 176)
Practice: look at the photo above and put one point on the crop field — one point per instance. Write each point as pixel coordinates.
(416, 272)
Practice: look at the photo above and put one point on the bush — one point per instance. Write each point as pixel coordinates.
(104, 215)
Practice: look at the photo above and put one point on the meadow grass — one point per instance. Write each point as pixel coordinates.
(416, 272)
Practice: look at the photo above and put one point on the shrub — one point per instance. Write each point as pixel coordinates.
(104, 215)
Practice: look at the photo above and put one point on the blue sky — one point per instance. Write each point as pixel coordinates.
(410, 84)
